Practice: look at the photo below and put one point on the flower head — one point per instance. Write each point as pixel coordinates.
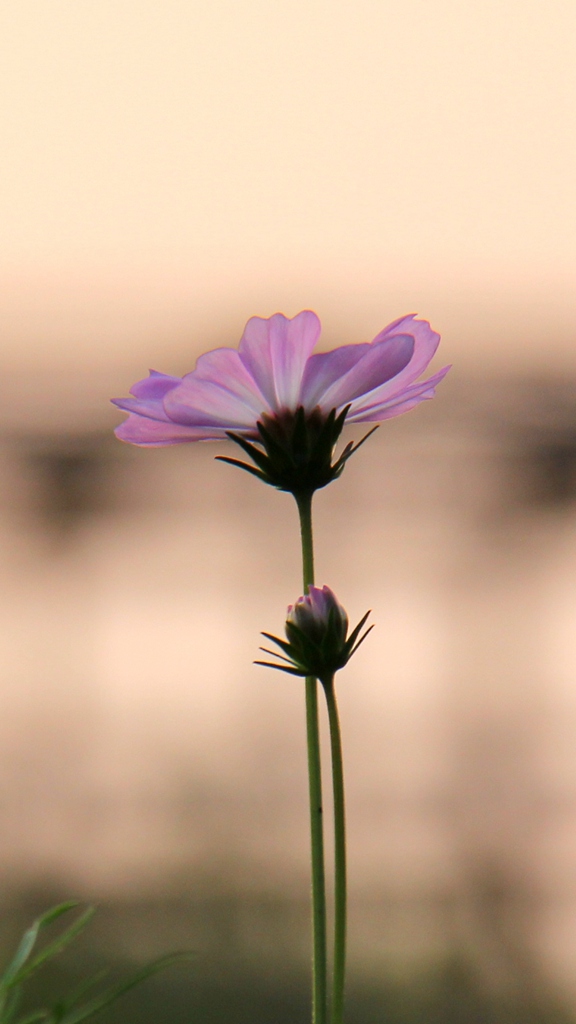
(275, 391)
(317, 644)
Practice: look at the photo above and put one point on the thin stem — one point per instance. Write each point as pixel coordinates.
(339, 855)
(304, 502)
(319, 970)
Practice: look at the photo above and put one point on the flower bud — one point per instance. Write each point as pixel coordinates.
(317, 643)
(314, 613)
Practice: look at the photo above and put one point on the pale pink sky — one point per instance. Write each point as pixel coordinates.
(169, 168)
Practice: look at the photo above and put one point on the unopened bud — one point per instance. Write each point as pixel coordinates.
(315, 615)
(317, 643)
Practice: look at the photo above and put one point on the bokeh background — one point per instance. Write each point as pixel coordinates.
(168, 170)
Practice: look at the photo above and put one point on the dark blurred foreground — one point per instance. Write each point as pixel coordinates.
(228, 981)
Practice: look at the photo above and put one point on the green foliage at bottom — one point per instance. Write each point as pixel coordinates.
(226, 984)
(86, 999)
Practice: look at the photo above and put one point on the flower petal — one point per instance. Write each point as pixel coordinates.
(379, 363)
(323, 369)
(322, 601)
(397, 402)
(219, 392)
(154, 433)
(152, 408)
(275, 352)
(154, 386)
(148, 395)
(425, 344)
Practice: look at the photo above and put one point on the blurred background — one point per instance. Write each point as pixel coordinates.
(168, 170)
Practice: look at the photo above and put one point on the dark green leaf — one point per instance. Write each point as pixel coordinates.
(257, 456)
(11, 975)
(242, 465)
(10, 1004)
(283, 668)
(361, 641)
(275, 654)
(301, 639)
(300, 438)
(282, 644)
(55, 947)
(275, 449)
(355, 632)
(106, 998)
(355, 447)
(37, 1017)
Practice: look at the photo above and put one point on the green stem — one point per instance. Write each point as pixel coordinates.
(304, 502)
(339, 855)
(319, 971)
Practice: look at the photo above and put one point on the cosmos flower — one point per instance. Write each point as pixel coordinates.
(274, 371)
(317, 643)
(273, 390)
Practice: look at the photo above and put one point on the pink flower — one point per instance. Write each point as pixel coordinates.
(273, 373)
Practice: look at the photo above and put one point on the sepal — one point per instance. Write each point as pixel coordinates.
(294, 450)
